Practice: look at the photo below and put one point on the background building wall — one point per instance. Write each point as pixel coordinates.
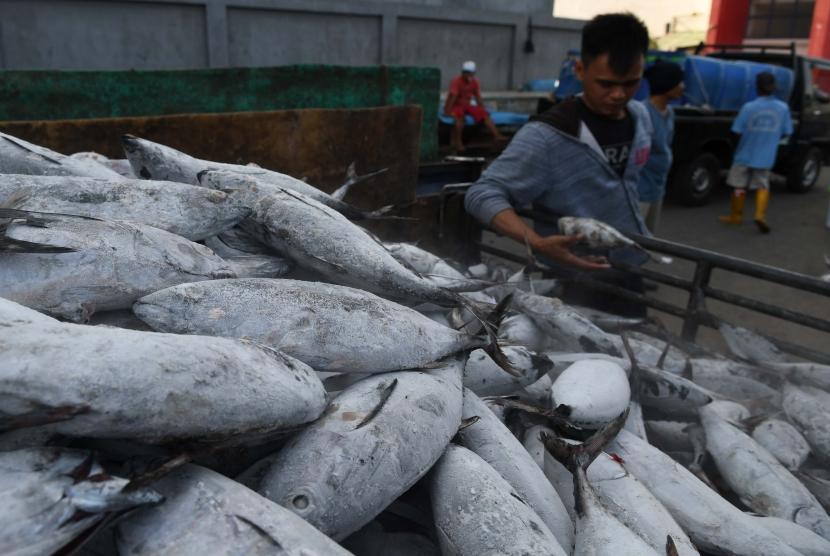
(192, 34)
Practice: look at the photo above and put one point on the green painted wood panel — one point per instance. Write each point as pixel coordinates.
(59, 95)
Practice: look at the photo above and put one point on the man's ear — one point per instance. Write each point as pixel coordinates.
(579, 69)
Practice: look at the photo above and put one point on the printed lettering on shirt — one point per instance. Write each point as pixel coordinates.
(764, 121)
(617, 154)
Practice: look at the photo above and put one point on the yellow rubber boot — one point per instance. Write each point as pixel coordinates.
(761, 203)
(737, 205)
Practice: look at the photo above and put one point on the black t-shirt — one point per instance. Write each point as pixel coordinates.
(614, 136)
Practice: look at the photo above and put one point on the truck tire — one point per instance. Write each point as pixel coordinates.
(805, 170)
(694, 181)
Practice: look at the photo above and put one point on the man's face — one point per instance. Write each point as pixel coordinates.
(605, 91)
(467, 76)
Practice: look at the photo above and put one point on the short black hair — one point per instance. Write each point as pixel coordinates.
(621, 35)
(765, 83)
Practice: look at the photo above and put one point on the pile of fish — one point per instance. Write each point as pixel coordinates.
(208, 358)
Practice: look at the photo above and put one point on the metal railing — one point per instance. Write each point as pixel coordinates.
(695, 313)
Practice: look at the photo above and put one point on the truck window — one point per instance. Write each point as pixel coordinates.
(819, 76)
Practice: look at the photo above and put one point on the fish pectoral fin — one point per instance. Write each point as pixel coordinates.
(468, 422)
(41, 416)
(10, 245)
(337, 267)
(671, 549)
(264, 533)
(384, 397)
(27, 149)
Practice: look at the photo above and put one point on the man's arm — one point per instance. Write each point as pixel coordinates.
(556, 247)
(516, 178)
(451, 97)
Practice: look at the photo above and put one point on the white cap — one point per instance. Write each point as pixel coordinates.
(469, 66)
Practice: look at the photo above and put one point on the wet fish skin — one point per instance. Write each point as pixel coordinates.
(750, 346)
(21, 157)
(478, 512)
(712, 523)
(113, 265)
(762, 483)
(151, 387)
(377, 438)
(186, 210)
(317, 323)
(208, 513)
(51, 495)
(494, 443)
(595, 233)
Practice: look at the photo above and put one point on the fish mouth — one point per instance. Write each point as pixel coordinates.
(157, 317)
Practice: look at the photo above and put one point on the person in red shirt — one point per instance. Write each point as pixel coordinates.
(464, 88)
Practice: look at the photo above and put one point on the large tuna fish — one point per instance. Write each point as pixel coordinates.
(711, 522)
(110, 266)
(478, 512)
(186, 210)
(154, 161)
(798, 537)
(483, 376)
(783, 441)
(761, 482)
(572, 331)
(598, 531)
(378, 437)
(153, 387)
(49, 496)
(433, 268)
(496, 445)
(331, 328)
(21, 157)
(207, 513)
(808, 408)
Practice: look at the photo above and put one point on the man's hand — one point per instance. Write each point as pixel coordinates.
(558, 249)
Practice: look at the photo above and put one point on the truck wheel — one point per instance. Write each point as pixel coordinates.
(805, 171)
(694, 182)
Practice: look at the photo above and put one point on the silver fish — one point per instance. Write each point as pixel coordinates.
(49, 496)
(154, 161)
(331, 328)
(378, 437)
(496, 445)
(571, 330)
(207, 513)
(712, 523)
(478, 512)
(750, 346)
(598, 531)
(807, 408)
(322, 240)
(817, 481)
(111, 265)
(483, 376)
(599, 235)
(762, 483)
(738, 388)
(186, 210)
(153, 387)
(783, 441)
(800, 538)
(256, 261)
(433, 268)
(21, 157)
(810, 374)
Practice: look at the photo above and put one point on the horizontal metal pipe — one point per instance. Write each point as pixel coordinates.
(767, 309)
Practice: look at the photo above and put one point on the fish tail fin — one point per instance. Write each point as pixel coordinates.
(490, 320)
(542, 364)
(353, 178)
(580, 456)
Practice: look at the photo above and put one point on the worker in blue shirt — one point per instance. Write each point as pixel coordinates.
(761, 123)
(665, 81)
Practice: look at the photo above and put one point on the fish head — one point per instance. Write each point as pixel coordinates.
(170, 309)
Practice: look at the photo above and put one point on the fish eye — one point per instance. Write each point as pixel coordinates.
(300, 501)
